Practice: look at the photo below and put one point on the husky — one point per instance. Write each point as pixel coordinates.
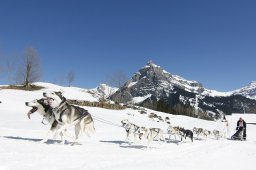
(42, 107)
(186, 133)
(69, 115)
(151, 134)
(131, 129)
(198, 131)
(217, 134)
(173, 131)
(206, 133)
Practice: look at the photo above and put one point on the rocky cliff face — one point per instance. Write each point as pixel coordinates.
(157, 89)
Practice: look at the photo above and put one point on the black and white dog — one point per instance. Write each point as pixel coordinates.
(69, 115)
(186, 133)
(42, 107)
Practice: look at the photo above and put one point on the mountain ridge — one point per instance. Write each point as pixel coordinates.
(160, 90)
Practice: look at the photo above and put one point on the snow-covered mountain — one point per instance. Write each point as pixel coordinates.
(248, 91)
(103, 91)
(155, 88)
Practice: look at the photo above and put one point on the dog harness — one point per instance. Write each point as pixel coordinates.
(83, 114)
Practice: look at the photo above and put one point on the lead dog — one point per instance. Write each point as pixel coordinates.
(69, 115)
(42, 107)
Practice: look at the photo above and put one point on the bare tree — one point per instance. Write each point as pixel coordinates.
(29, 70)
(70, 77)
(118, 79)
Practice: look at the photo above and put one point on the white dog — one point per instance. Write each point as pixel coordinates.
(151, 134)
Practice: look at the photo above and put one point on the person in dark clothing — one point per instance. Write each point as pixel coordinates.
(240, 126)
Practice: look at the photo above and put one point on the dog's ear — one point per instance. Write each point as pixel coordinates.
(41, 101)
(60, 94)
(61, 91)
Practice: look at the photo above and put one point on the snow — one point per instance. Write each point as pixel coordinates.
(140, 99)
(132, 84)
(102, 91)
(248, 91)
(214, 93)
(106, 150)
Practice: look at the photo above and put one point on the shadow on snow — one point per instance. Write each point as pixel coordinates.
(50, 141)
(124, 144)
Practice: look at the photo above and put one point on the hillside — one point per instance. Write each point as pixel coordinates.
(106, 149)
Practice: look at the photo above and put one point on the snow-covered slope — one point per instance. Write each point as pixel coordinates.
(69, 92)
(92, 95)
(106, 149)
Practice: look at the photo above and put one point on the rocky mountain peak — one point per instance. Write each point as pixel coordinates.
(152, 72)
(155, 88)
(252, 83)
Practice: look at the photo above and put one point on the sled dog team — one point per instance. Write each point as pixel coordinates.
(61, 115)
(136, 132)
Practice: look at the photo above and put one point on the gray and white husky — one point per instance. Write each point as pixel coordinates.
(69, 115)
(42, 107)
(174, 130)
(150, 134)
(131, 130)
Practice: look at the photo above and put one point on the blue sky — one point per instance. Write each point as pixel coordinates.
(211, 41)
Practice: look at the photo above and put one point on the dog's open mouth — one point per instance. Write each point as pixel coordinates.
(33, 110)
(49, 99)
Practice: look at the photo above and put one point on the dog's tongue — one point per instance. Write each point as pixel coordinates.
(31, 112)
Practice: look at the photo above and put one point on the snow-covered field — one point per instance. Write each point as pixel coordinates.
(106, 149)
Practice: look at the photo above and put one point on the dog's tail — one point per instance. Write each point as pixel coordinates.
(89, 129)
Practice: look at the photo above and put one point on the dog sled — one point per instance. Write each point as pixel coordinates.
(239, 135)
